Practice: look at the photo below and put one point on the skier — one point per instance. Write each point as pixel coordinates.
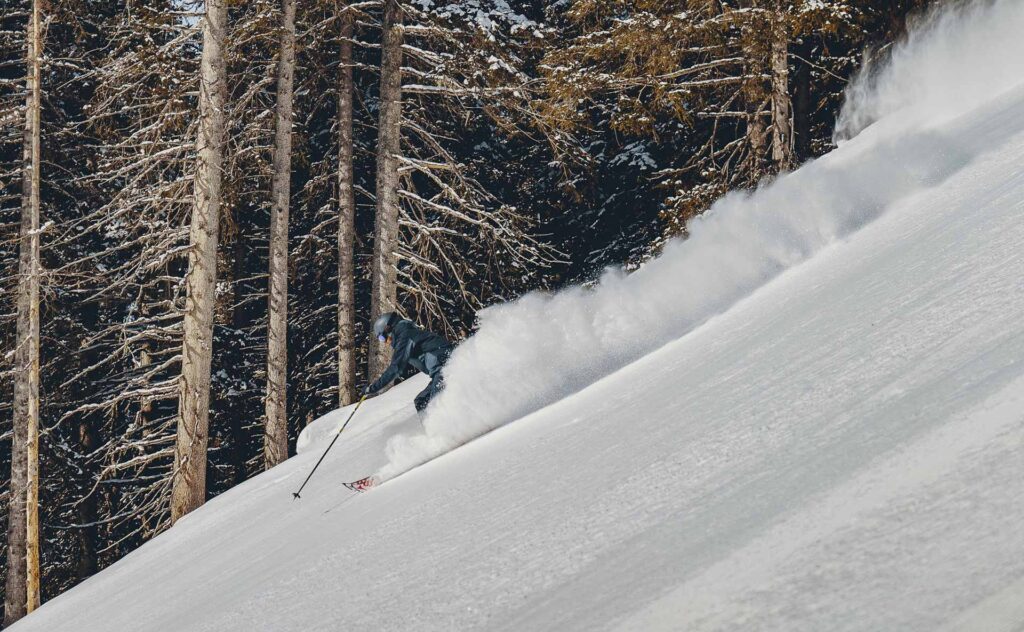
(424, 350)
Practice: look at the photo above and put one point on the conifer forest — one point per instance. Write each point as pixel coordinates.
(205, 204)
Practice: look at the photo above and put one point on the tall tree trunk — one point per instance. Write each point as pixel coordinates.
(22, 589)
(802, 106)
(782, 119)
(756, 136)
(385, 238)
(189, 487)
(275, 438)
(346, 215)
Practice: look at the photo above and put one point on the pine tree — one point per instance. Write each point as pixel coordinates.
(385, 237)
(723, 70)
(346, 207)
(23, 586)
(189, 490)
(276, 437)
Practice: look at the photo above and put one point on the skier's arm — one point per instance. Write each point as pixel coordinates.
(399, 360)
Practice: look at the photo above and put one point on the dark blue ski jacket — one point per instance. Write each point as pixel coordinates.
(424, 350)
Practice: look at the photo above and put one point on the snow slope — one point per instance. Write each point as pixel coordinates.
(834, 443)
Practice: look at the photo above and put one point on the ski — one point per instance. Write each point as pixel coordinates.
(362, 484)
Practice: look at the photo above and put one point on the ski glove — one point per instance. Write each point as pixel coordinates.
(367, 390)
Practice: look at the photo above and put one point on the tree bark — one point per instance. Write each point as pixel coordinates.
(275, 438)
(757, 137)
(22, 588)
(802, 107)
(782, 118)
(189, 486)
(385, 242)
(346, 216)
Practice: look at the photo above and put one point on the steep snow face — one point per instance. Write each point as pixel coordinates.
(541, 348)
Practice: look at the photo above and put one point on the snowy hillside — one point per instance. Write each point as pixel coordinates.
(810, 416)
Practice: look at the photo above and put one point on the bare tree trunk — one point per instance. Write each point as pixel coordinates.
(757, 137)
(346, 216)
(385, 242)
(22, 589)
(782, 118)
(189, 487)
(802, 107)
(275, 438)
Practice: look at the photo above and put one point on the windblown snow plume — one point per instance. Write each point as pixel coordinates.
(541, 348)
(952, 61)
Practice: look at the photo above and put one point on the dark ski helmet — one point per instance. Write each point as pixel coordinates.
(384, 324)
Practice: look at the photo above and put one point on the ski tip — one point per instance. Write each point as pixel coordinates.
(361, 485)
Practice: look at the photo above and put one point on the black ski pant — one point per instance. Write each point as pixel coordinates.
(433, 362)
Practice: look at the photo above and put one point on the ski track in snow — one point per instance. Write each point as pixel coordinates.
(830, 446)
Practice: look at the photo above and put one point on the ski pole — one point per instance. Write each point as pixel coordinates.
(345, 425)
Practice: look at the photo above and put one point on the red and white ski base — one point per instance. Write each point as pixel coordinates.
(362, 484)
